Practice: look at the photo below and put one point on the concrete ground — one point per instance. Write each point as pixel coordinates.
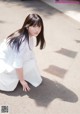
(72, 9)
(59, 62)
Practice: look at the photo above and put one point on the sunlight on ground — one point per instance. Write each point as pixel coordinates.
(73, 14)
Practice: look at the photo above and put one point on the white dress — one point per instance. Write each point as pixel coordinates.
(10, 59)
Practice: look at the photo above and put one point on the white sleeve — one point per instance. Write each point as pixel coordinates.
(18, 58)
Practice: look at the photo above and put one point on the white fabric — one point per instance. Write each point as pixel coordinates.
(11, 59)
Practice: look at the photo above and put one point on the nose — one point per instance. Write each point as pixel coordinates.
(36, 30)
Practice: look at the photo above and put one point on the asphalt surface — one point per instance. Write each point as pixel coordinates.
(59, 62)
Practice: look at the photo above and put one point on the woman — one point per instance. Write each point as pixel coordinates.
(17, 61)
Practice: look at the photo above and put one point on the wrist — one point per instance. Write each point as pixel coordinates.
(21, 80)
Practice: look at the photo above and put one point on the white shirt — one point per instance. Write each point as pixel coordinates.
(10, 58)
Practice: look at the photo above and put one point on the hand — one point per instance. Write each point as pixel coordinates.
(25, 85)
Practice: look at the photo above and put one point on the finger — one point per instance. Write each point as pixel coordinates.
(28, 88)
(24, 88)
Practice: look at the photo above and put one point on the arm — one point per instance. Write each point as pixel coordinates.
(18, 65)
(19, 72)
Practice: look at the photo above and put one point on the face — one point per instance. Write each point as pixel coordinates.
(34, 30)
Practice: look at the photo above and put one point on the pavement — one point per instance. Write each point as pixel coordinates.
(71, 9)
(59, 62)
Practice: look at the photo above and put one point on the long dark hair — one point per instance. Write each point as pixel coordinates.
(15, 39)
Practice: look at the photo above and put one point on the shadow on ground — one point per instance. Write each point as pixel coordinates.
(1, 21)
(36, 6)
(46, 93)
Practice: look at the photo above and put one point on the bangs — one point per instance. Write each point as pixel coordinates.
(36, 22)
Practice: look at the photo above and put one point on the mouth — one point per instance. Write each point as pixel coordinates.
(36, 33)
